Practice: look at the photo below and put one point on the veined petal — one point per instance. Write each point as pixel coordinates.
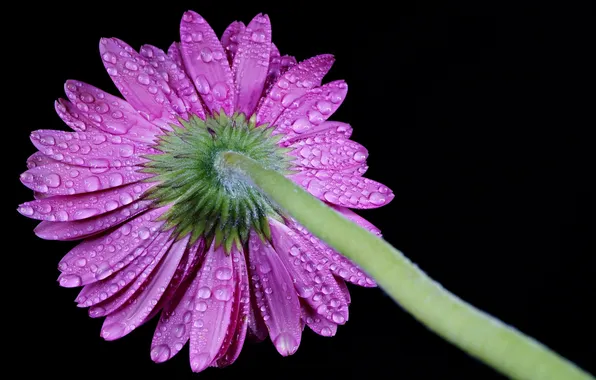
(107, 113)
(92, 149)
(134, 312)
(155, 255)
(176, 85)
(213, 309)
(310, 274)
(344, 189)
(206, 63)
(173, 329)
(229, 39)
(73, 117)
(328, 153)
(251, 62)
(80, 229)
(137, 81)
(237, 335)
(339, 265)
(326, 129)
(292, 85)
(63, 208)
(305, 113)
(62, 179)
(97, 258)
(275, 295)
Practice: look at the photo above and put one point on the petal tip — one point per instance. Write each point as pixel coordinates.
(285, 344)
(200, 362)
(112, 331)
(160, 353)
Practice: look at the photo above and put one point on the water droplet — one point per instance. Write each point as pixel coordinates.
(301, 125)
(52, 180)
(359, 156)
(91, 183)
(70, 281)
(143, 79)
(160, 353)
(286, 344)
(144, 233)
(377, 198)
(223, 293)
(220, 91)
(116, 179)
(258, 36)
(204, 292)
(223, 274)
(324, 107)
(131, 65)
(338, 318)
(201, 306)
(206, 54)
(202, 84)
(109, 57)
(179, 330)
(326, 331)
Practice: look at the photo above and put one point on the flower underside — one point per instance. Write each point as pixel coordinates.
(208, 199)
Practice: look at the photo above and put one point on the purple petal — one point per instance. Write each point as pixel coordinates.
(213, 308)
(251, 62)
(318, 323)
(137, 81)
(173, 329)
(80, 229)
(176, 85)
(92, 149)
(339, 265)
(305, 113)
(292, 85)
(310, 274)
(73, 117)
(357, 219)
(328, 153)
(277, 67)
(257, 330)
(137, 309)
(237, 335)
(327, 129)
(229, 39)
(63, 179)
(104, 112)
(344, 189)
(275, 296)
(100, 291)
(39, 159)
(96, 258)
(206, 64)
(63, 208)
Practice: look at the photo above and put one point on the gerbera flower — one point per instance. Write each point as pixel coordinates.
(167, 227)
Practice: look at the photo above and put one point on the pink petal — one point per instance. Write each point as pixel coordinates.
(344, 189)
(328, 153)
(305, 113)
(310, 273)
(65, 208)
(229, 39)
(176, 85)
(63, 179)
(137, 309)
(205, 62)
(237, 335)
(357, 219)
(154, 255)
(137, 81)
(257, 330)
(107, 113)
(100, 291)
(173, 329)
(318, 323)
(213, 309)
(339, 265)
(292, 85)
(275, 296)
(327, 129)
(175, 55)
(251, 63)
(277, 66)
(80, 229)
(97, 258)
(73, 117)
(39, 159)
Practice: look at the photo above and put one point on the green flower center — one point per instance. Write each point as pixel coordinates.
(207, 198)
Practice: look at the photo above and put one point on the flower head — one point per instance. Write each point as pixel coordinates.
(166, 227)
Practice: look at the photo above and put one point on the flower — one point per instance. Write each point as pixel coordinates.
(166, 227)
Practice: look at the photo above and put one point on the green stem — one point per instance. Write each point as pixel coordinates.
(504, 348)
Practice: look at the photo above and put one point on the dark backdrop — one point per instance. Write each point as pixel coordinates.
(477, 118)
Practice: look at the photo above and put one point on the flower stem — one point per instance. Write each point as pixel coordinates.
(504, 348)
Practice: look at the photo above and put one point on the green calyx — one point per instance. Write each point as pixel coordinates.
(207, 198)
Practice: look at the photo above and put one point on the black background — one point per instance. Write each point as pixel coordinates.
(479, 119)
